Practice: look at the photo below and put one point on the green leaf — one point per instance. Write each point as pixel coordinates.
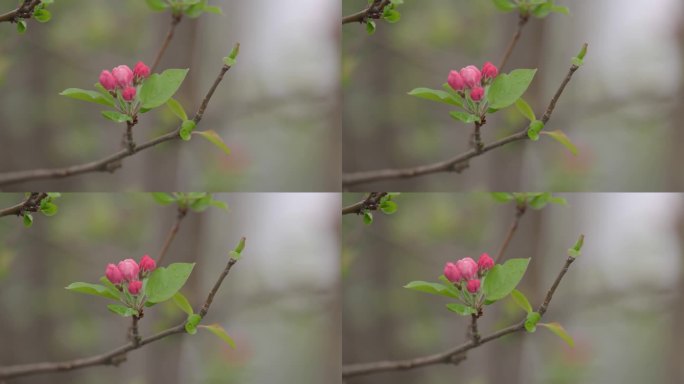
(215, 139)
(42, 15)
(531, 321)
(436, 95)
(92, 289)
(433, 288)
(163, 198)
(220, 332)
(525, 109)
(182, 303)
(507, 88)
(165, 282)
(191, 323)
(368, 217)
(213, 9)
(28, 220)
(391, 15)
(116, 116)
(562, 138)
(464, 117)
(534, 129)
(21, 26)
(186, 129)
(370, 27)
(237, 252)
(502, 197)
(177, 109)
(219, 204)
(201, 204)
(48, 209)
(122, 311)
(157, 5)
(460, 309)
(89, 96)
(388, 207)
(231, 59)
(502, 279)
(159, 88)
(559, 331)
(505, 5)
(521, 300)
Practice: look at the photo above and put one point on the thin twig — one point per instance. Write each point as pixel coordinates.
(522, 21)
(371, 202)
(473, 333)
(113, 357)
(24, 11)
(182, 212)
(456, 163)
(134, 336)
(519, 212)
(453, 355)
(30, 204)
(111, 162)
(374, 11)
(175, 20)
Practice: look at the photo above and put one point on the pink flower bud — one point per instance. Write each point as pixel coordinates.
(128, 93)
(107, 80)
(113, 274)
(489, 70)
(477, 93)
(141, 71)
(134, 287)
(467, 267)
(485, 263)
(123, 75)
(470, 74)
(129, 269)
(147, 264)
(456, 81)
(473, 285)
(452, 273)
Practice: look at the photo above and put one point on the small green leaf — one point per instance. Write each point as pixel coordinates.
(213, 9)
(163, 283)
(370, 27)
(219, 204)
(502, 197)
(368, 217)
(531, 321)
(464, 117)
(534, 129)
(182, 303)
(433, 288)
(157, 5)
(231, 59)
(559, 331)
(116, 116)
(177, 109)
(186, 129)
(122, 311)
(160, 87)
(21, 26)
(220, 332)
(28, 220)
(42, 15)
(525, 109)
(562, 138)
(215, 139)
(460, 309)
(436, 95)
(89, 96)
(48, 209)
(508, 88)
(505, 5)
(391, 15)
(237, 252)
(388, 207)
(502, 279)
(191, 323)
(92, 289)
(163, 198)
(521, 300)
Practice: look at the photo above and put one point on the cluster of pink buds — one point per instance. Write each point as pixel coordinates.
(130, 273)
(473, 79)
(468, 271)
(123, 79)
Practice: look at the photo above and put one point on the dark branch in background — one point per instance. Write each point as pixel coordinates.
(31, 204)
(175, 20)
(457, 163)
(113, 357)
(182, 211)
(24, 11)
(453, 355)
(520, 210)
(370, 203)
(374, 11)
(111, 162)
(522, 21)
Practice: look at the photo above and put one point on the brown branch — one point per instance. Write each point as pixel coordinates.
(113, 357)
(522, 21)
(175, 20)
(182, 211)
(24, 11)
(113, 161)
(30, 204)
(371, 202)
(456, 163)
(374, 11)
(519, 212)
(453, 355)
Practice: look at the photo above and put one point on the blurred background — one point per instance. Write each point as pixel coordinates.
(622, 300)
(280, 303)
(622, 109)
(276, 109)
